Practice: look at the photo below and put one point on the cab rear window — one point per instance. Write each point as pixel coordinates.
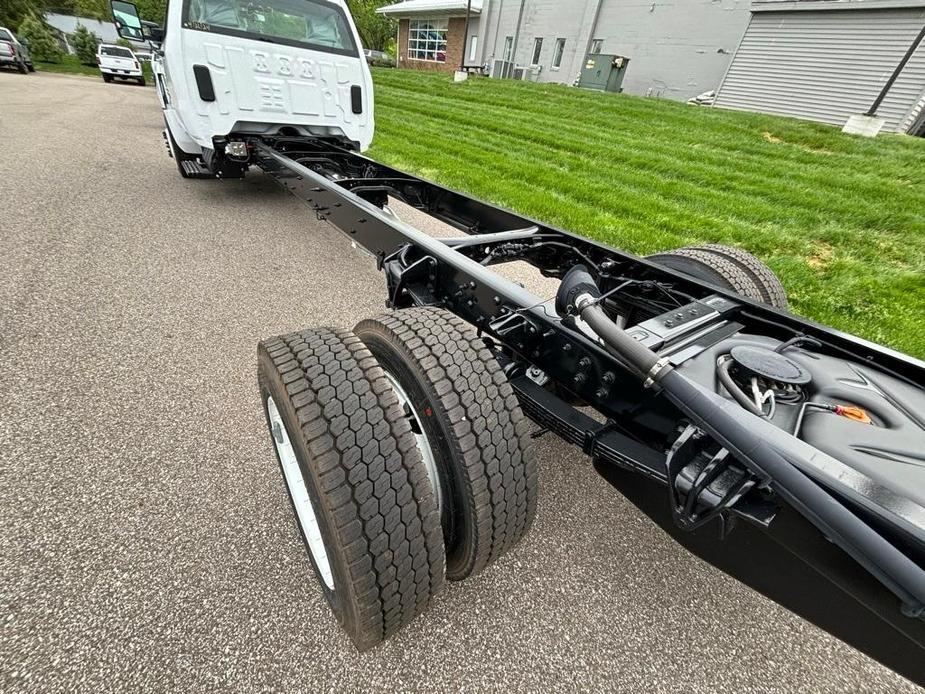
(116, 52)
(313, 24)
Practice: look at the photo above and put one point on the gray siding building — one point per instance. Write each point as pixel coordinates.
(825, 61)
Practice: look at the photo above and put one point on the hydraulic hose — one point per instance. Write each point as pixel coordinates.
(767, 450)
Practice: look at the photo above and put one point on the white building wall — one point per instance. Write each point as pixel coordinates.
(677, 48)
(549, 19)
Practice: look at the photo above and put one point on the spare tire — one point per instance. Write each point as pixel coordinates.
(729, 268)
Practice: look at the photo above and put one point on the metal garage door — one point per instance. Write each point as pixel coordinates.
(827, 64)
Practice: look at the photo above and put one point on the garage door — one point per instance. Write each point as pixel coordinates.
(827, 64)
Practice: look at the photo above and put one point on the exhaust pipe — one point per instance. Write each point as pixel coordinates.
(769, 452)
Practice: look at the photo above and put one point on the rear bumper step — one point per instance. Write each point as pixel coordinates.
(196, 169)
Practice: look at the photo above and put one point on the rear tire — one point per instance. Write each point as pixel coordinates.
(141, 81)
(729, 268)
(355, 479)
(107, 78)
(460, 401)
(31, 67)
(22, 68)
(768, 284)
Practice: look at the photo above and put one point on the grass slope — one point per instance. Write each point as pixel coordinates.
(841, 219)
(70, 65)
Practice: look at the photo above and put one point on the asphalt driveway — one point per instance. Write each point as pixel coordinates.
(147, 543)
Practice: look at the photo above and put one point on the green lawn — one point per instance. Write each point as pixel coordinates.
(841, 219)
(68, 64)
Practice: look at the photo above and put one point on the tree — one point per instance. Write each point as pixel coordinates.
(152, 10)
(42, 42)
(377, 32)
(85, 43)
(14, 12)
(92, 9)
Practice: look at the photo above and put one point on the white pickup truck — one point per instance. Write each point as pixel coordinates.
(14, 53)
(118, 62)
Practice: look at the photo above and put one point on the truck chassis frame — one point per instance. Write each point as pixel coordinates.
(558, 370)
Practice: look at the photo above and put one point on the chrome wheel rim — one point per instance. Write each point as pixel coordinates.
(427, 453)
(301, 501)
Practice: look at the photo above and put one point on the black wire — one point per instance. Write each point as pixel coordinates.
(626, 282)
(570, 248)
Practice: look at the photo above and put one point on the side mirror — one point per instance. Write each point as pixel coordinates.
(24, 42)
(127, 21)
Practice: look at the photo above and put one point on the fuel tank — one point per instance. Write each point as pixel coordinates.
(870, 422)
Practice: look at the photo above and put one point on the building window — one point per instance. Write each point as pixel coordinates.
(427, 40)
(557, 54)
(473, 48)
(597, 45)
(537, 49)
(508, 48)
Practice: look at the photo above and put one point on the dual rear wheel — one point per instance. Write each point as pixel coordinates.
(730, 268)
(406, 457)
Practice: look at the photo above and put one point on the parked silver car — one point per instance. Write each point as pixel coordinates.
(14, 53)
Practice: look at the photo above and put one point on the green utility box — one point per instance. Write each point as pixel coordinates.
(604, 72)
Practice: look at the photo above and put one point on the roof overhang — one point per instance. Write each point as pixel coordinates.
(816, 5)
(431, 8)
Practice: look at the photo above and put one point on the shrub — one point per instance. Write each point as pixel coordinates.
(42, 42)
(85, 43)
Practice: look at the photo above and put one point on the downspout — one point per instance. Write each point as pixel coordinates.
(872, 111)
(520, 16)
(494, 44)
(593, 29)
(462, 56)
(579, 57)
(484, 31)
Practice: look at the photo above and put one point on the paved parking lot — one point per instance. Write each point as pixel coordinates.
(147, 543)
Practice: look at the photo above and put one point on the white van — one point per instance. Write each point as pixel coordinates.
(237, 68)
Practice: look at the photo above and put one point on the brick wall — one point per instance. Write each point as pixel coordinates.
(455, 46)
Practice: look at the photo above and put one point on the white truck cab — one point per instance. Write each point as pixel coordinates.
(229, 69)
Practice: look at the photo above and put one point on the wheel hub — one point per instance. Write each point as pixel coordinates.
(427, 453)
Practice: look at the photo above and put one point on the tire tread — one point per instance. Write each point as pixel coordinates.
(371, 477)
(491, 433)
(772, 291)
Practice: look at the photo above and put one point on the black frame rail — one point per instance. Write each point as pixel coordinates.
(775, 550)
